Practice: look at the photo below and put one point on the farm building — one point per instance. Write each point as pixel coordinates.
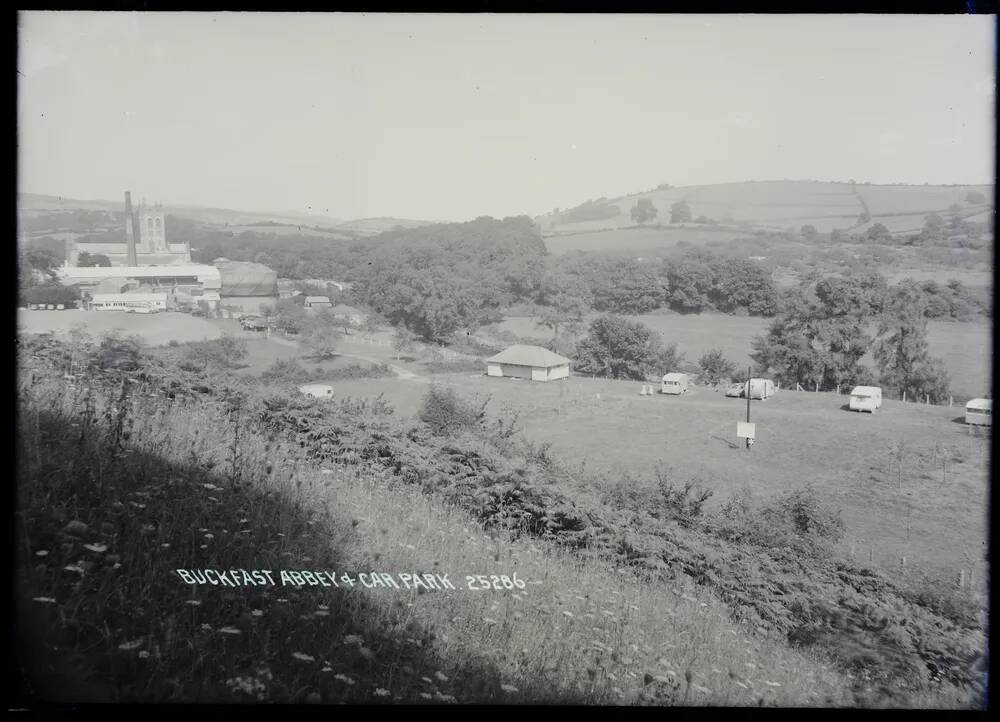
(317, 302)
(528, 362)
(979, 412)
(320, 391)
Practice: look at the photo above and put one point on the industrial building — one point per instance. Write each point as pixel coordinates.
(145, 242)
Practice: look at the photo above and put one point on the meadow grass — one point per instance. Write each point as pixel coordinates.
(116, 492)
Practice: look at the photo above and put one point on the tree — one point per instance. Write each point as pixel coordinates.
(900, 351)
(372, 324)
(620, 349)
(864, 217)
(742, 284)
(838, 235)
(321, 342)
(975, 198)
(809, 232)
(404, 341)
(680, 212)
(715, 368)
(42, 260)
(878, 233)
(690, 281)
(643, 211)
(86, 259)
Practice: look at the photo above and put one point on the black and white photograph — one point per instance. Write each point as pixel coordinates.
(463, 358)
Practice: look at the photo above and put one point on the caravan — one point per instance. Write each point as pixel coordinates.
(866, 398)
(979, 412)
(760, 389)
(674, 383)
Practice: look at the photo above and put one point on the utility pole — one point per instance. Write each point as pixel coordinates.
(749, 442)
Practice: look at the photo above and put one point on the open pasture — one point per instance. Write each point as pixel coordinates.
(884, 200)
(155, 329)
(931, 511)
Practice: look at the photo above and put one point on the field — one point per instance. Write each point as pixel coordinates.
(156, 329)
(784, 204)
(636, 240)
(608, 428)
(965, 348)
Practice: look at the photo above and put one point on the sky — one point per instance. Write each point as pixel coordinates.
(450, 117)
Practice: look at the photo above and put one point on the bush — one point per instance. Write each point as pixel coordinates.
(715, 368)
(285, 371)
(447, 413)
(799, 520)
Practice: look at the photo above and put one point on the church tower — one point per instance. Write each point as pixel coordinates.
(153, 228)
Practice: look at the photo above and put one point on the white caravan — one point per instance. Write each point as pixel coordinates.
(674, 383)
(866, 398)
(760, 389)
(979, 412)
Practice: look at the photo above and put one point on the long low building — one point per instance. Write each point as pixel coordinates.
(179, 277)
(528, 362)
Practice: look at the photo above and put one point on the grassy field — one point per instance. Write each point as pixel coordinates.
(576, 631)
(883, 200)
(636, 240)
(154, 329)
(965, 348)
(609, 428)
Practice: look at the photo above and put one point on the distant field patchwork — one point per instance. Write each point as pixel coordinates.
(636, 240)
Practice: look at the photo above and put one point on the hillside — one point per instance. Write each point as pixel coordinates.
(33, 206)
(779, 205)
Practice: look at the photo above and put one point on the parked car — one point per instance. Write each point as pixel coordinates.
(735, 389)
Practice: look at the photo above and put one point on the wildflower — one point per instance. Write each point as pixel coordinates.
(568, 613)
(772, 684)
(44, 600)
(353, 639)
(699, 688)
(74, 568)
(428, 680)
(425, 695)
(321, 613)
(508, 688)
(210, 536)
(206, 627)
(441, 676)
(193, 602)
(143, 654)
(742, 685)
(366, 653)
(323, 607)
(344, 678)
(303, 657)
(327, 669)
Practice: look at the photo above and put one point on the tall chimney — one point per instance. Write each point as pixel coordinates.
(131, 228)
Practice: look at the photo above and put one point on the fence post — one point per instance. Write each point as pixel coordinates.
(928, 398)
(902, 562)
(838, 389)
(904, 396)
(961, 578)
(871, 554)
(972, 578)
(950, 399)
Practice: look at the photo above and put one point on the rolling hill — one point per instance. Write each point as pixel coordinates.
(768, 205)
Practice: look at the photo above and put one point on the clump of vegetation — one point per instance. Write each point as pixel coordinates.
(448, 413)
(716, 368)
(459, 365)
(359, 371)
(285, 371)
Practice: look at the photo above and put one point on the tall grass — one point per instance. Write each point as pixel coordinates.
(118, 489)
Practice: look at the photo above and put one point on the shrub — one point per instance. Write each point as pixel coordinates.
(285, 371)
(799, 520)
(447, 413)
(681, 503)
(716, 368)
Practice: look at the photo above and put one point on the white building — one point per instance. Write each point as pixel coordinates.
(528, 362)
(128, 302)
(179, 277)
(317, 302)
(320, 391)
(979, 412)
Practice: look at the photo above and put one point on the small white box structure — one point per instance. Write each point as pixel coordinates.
(320, 391)
(865, 398)
(674, 383)
(745, 430)
(760, 389)
(979, 412)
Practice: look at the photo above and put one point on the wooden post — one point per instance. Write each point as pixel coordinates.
(950, 400)
(817, 387)
(871, 554)
(972, 578)
(961, 578)
(904, 396)
(852, 550)
(928, 399)
(838, 389)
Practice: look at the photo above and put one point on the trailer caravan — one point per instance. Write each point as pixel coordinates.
(674, 383)
(979, 412)
(760, 389)
(866, 398)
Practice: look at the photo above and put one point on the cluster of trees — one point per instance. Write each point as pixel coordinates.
(820, 337)
(85, 259)
(680, 212)
(621, 349)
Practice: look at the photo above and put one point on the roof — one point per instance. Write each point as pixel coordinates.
(979, 404)
(521, 355)
(104, 297)
(317, 299)
(140, 271)
(865, 389)
(673, 375)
